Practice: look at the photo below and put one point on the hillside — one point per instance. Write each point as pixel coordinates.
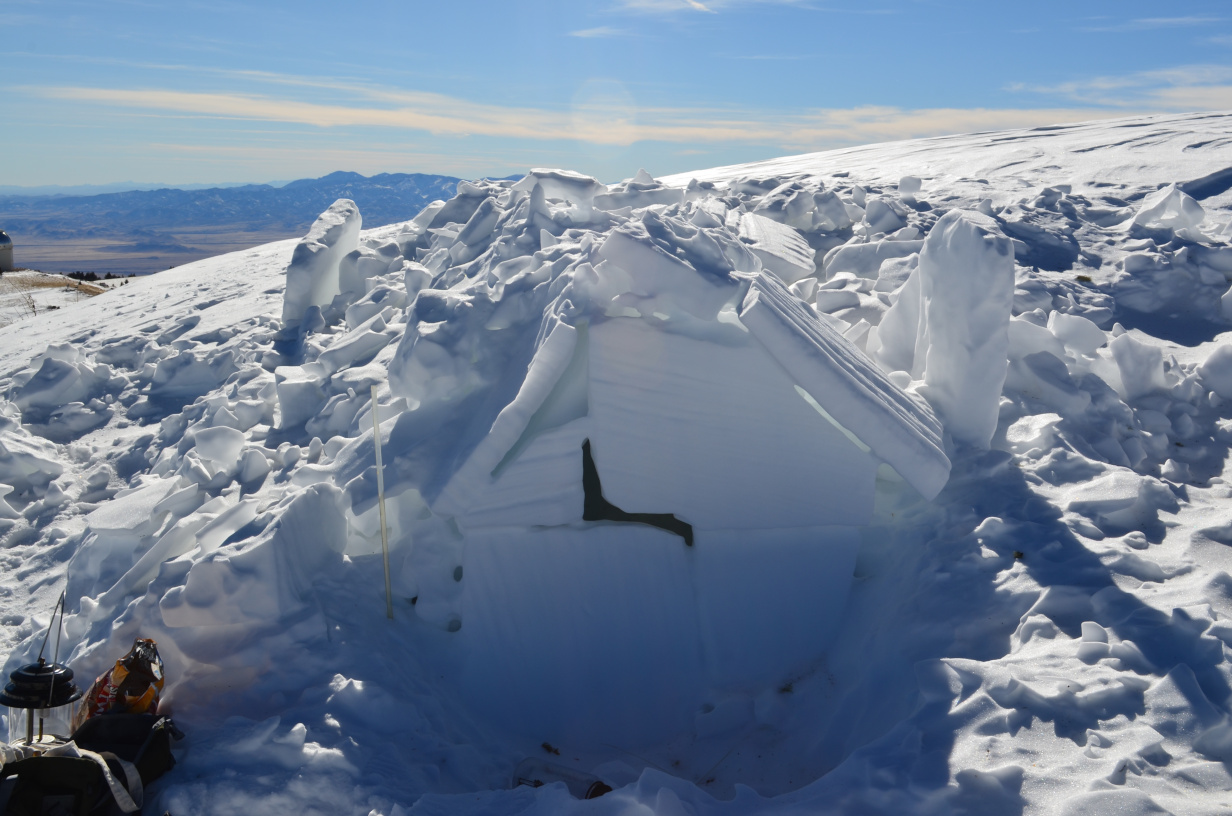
(947, 422)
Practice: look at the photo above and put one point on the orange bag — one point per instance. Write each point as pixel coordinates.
(132, 686)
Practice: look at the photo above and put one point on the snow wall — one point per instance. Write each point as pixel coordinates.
(507, 329)
(561, 314)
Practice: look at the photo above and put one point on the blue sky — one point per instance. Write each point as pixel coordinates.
(224, 91)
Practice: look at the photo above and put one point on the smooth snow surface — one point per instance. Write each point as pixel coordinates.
(948, 420)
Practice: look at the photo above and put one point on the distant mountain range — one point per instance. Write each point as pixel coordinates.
(114, 187)
(382, 199)
(141, 231)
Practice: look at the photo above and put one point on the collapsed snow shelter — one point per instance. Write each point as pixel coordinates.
(778, 422)
(755, 435)
(594, 381)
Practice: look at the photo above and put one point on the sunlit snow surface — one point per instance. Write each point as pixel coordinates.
(190, 457)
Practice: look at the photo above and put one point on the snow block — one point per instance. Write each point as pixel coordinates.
(781, 249)
(960, 308)
(855, 393)
(566, 631)
(312, 276)
(270, 579)
(1141, 367)
(1170, 208)
(300, 394)
(689, 427)
(1121, 500)
(1216, 371)
(864, 260)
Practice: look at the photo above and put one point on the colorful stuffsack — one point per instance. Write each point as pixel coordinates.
(132, 686)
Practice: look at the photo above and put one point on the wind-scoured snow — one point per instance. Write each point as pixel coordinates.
(947, 421)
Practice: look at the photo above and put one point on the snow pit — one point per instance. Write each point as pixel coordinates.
(655, 515)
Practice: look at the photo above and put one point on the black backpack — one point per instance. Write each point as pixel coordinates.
(73, 786)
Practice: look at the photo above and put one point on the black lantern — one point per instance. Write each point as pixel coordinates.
(43, 692)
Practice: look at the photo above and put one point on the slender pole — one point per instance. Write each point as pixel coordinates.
(380, 497)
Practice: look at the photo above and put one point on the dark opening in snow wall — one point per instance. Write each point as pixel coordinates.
(655, 326)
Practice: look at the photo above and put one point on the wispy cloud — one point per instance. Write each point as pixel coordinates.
(712, 6)
(601, 31)
(1223, 39)
(448, 116)
(1190, 87)
(769, 57)
(1151, 23)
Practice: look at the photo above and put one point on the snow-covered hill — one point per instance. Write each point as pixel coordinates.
(1027, 328)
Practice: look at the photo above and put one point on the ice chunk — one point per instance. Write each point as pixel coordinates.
(270, 579)
(187, 374)
(884, 215)
(1216, 371)
(312, 276)
(356, 347)
(220, 446)
(1170, 208)
(640, 191)
(1076, 332)
(1141, 367)
(781, 249)
(132, 513)
(578, 189)
(1121, 500)
(960, 309)
(355, 268)
(56, 383)
(865, 260)
(1029, 338)
(300, 394)
(661, 282)
(27, 462)
(852, 390)
(6, 509)
(1031, 434)
(1043, 376)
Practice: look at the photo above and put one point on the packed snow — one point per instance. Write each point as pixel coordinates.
(882, 480)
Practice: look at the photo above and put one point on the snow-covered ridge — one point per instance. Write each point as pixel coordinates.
(741, 351)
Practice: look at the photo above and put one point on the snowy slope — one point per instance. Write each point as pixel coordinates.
(190, 456)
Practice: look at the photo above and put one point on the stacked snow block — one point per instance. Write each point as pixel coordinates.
(651, 328)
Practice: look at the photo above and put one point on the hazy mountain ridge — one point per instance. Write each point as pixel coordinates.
(144, 231)
(385, 198)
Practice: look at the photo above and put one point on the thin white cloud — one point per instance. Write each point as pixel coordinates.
(1189, 87)
(447, 116)
(1152, 23)
(1224, 39)
(769, 57)
(599, 32)
(712, 6)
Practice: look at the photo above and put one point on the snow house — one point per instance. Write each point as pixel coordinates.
(669, 510)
